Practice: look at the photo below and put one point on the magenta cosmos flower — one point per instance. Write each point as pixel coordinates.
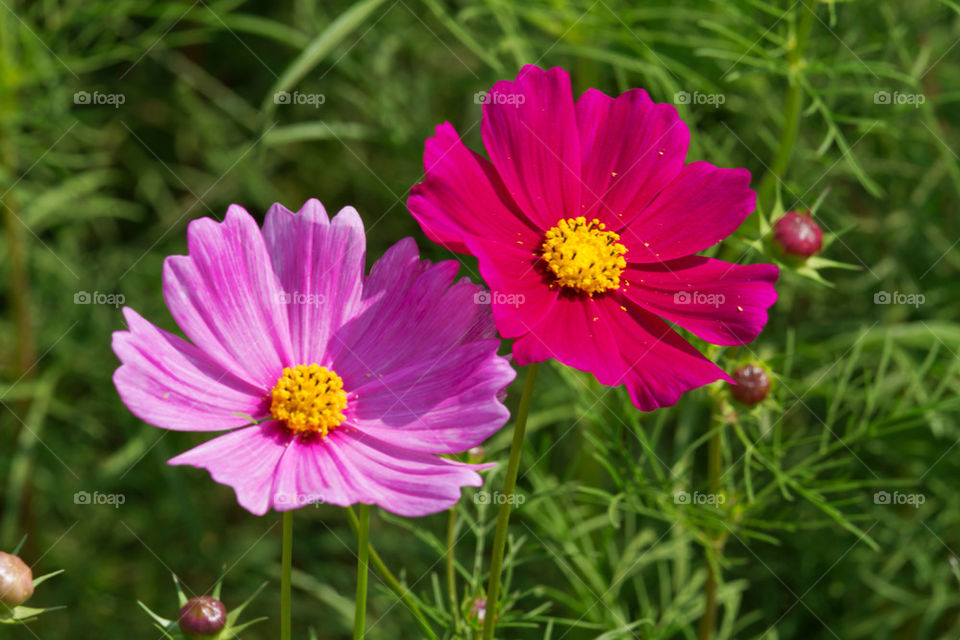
(585, 221)
(335, 387)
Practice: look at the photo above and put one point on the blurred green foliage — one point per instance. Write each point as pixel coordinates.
(180, 121)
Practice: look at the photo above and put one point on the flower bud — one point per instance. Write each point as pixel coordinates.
(479, 609)
(202, 618)
(16, 580)
(798, 235)
(752, 384)
(475, 454)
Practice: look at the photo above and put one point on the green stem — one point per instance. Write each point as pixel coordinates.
(363, 570)
(287, 560)
(709, 620)
(714, 474)
(452, 568)
(391, 580)
(503, 517)
(791, 120)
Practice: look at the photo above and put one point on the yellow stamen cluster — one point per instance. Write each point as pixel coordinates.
(309, 399)
(584, 256)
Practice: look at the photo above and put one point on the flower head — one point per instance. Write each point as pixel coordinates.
(585, 222)
(335, 387)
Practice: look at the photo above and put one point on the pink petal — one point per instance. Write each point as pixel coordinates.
(245, 459)
(169, 383)
(225, 297)
(720, 302)
(530, 132)
(700, 207)
(462, 195)
(631, 147)
(399, 480)
(320, 265)
(619, 346)
(442, 406)
(410, 313)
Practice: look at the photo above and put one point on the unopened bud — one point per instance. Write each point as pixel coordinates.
(798, 235)
(202, 618)
(16, 580)
(752, 384)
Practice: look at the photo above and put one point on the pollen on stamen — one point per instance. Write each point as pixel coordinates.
(583, 255)
(309, 399)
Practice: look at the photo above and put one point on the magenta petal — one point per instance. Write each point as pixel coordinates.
(519, 294)
(410, 313)
(245, 459)
(399, 480)
(442, 406)
(720, 302)
(656, 364)
(530, 133)
(701, 206)
(631, 347)
(462, 195)
(573, 334)
(631, 147)
(226, 298)
(169, 383)
(320, 265)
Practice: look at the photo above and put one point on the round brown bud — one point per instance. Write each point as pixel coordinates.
(752, 384)
(202, 618)
(16, 580)
(798, 235)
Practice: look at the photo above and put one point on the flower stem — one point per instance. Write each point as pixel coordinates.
(452, 568)
(713, 554)
(503, 517)
(792, 108)
(286, 560)
(363, 569)
(714, 463)
(392, 581)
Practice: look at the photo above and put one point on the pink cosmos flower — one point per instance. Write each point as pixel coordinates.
(334, 387)
(585, 222)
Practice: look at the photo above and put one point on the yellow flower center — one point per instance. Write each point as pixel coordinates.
(584, 256)
(309, 399)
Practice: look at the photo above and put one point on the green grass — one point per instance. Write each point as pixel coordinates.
(865, 395)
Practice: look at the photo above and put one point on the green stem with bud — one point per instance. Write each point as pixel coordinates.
(503, 517)
(363, 570)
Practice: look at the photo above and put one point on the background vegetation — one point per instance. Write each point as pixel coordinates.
(94, 196)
